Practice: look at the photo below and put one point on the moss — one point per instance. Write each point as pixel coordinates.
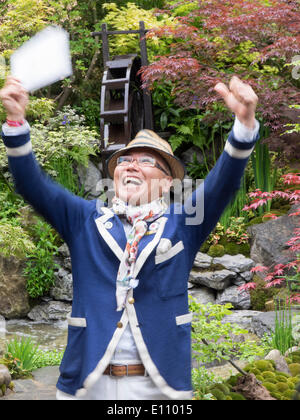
(216, 250)
(268, 375)
(281, 378)
(223, 388)
(233, 248)
(270, 387)
(255, 221)
(294, 368)
(289, 394)
(232, 381)
(218, 394)
(236, 396)
(293, 381)
(295, 356)
(281, 387)
(264, 365)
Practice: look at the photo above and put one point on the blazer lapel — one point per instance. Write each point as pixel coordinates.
(108, 228)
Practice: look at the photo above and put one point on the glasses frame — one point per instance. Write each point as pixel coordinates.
(155, 163)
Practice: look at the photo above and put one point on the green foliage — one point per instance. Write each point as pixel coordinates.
(40, 266)
(14, 241)
(283, 337)
(202, 379)
(19, 357)
(216, 250)
(44, 358)
(128, 18)
(207, 325)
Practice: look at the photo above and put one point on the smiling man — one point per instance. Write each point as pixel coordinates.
(129, 333)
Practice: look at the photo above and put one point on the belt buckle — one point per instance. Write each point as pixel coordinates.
(111, 373)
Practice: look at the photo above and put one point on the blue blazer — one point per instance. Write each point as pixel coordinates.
(158, 313)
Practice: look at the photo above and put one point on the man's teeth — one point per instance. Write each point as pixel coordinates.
(132, 180)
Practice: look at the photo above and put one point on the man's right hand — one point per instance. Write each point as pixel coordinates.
(14, 98)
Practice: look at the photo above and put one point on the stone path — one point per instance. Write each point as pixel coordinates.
(41, 387)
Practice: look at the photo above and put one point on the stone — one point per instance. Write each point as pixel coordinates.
(14, 298)
(5, 378)
(50, 311)
(264, 322)
(268, 240)
(237, 263)
(203, 295)
(217, 280)
(202, 260)
(243, 318)
(89, 177)
(63, 286)
(280, 362)
(239, 299)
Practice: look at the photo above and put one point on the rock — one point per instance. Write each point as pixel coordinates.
(243, 318)
(64, 250)
(239, 299)
(14, 298)
(5, 378)
(280, 362)
(268, 240)
(203, 295)
(202, 260)
(89, 177)
(63, 286)
(218, 280)
(237, 263)
(50, 311)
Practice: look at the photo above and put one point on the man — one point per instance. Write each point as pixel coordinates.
(129, 331)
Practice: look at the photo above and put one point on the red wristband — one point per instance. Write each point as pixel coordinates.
(11, 123)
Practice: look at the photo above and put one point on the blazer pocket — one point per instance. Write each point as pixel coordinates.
(184, 319)
(170, 253)
(76, 322)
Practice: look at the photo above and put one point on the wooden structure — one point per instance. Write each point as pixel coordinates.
(124, 107)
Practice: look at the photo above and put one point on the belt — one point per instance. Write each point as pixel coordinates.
(125, 370)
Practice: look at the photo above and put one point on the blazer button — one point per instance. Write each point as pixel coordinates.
(119, 324)
(131, 300)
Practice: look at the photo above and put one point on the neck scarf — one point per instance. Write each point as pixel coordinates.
(137, 217)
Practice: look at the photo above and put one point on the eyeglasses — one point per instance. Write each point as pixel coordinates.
(143, 161)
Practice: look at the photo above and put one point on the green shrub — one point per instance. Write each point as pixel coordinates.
(40, 266)
(216, 251)
(236, 396)
(14, 241)
(295, 369)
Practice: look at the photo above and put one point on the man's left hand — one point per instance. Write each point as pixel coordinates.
(240, 99)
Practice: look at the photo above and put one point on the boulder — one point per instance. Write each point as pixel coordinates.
(50, 311)
(202, 260)
(203, 295)
(63, 286)
(89, 177)
(5, 378)
(238, 299)
(268, 240)
(14, 298)
(237, 263)
(217, 280)
(280, 362)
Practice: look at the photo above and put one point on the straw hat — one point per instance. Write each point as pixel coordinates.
(149, 139)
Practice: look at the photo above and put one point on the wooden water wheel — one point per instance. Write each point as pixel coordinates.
(124, 107)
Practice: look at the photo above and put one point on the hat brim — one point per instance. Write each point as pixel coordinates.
(176, 166)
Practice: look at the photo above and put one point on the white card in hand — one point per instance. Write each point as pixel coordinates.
(42, 60)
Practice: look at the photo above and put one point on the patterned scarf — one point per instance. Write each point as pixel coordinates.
(137, 217)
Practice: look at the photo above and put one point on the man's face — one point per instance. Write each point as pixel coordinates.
(137, 184)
